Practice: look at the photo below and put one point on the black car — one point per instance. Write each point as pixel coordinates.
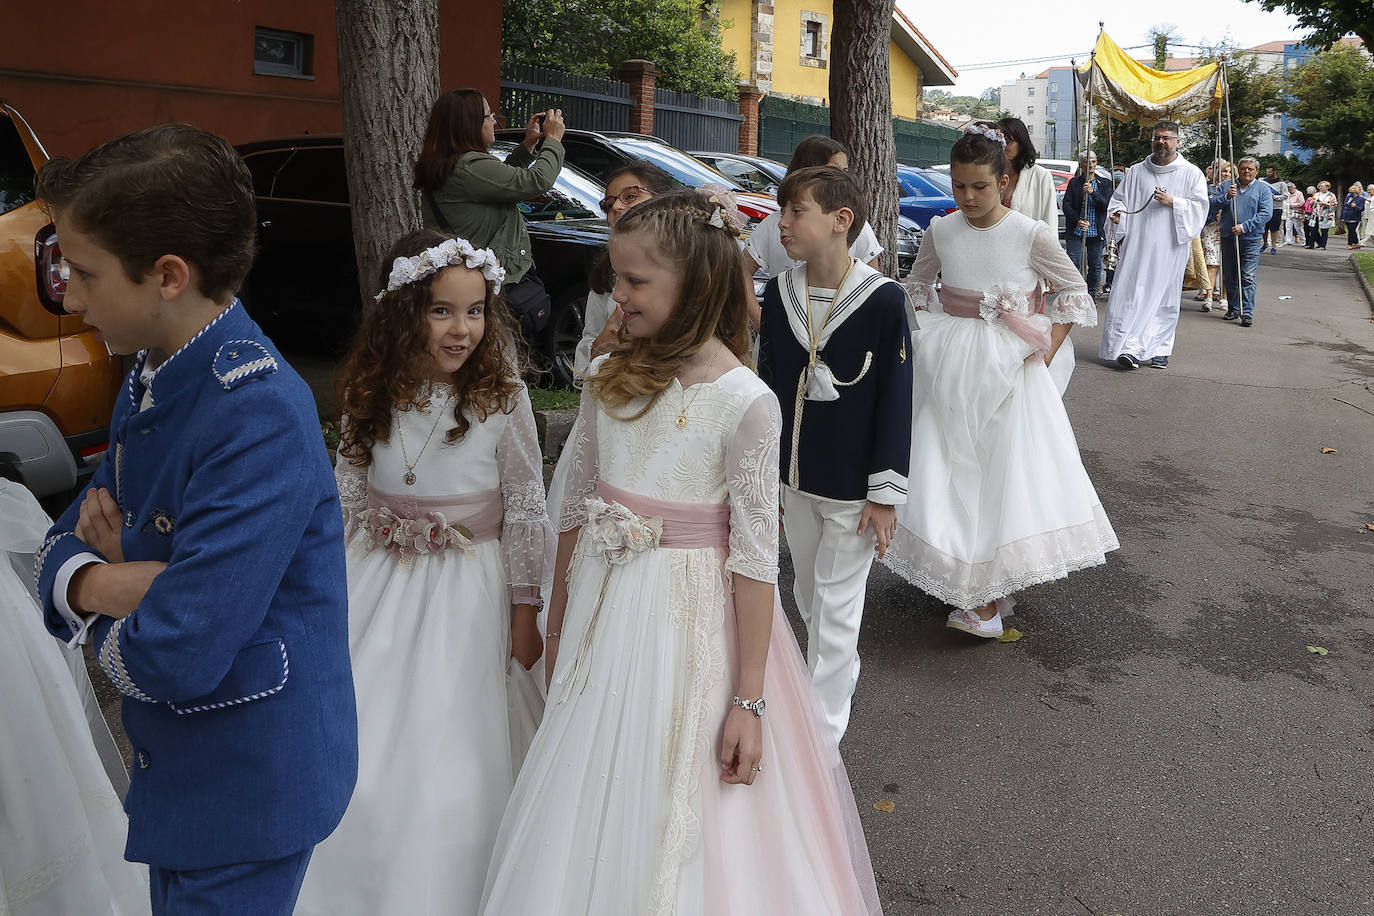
(303, 287)
(600, 152)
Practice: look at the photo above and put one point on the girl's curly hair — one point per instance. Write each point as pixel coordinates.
(697, 237)
(388, 365)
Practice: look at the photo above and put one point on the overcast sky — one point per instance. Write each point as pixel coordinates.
(987, 31)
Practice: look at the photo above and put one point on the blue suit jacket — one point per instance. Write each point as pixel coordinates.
(235, 668)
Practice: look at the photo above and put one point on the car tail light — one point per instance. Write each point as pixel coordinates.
(754, 213)
(50, 269)
(949, 210)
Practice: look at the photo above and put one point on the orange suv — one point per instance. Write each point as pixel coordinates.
(58, 382)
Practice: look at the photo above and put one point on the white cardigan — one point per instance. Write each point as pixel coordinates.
(1034, 196)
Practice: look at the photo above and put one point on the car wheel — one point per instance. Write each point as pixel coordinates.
(558, 342)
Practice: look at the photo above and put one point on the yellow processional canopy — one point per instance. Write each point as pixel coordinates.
(1130, 91)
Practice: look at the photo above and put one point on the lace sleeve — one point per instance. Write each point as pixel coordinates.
(352, 483)
(582, 460)
(920, 282)
(752, 479)
(1073, 304)
(527, 538)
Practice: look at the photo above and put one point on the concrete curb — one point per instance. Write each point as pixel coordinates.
(1364, 284)
(554, 427)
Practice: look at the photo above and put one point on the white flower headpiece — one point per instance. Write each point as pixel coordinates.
(446, 254)
(990, 133)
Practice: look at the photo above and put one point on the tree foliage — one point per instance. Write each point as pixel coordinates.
(1329, 20)
(1333, 100)
(987, 106)
(682, 38)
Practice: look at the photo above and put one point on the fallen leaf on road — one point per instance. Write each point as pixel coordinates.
(1316, 650)
(1010, 635)
(1328, 451)
(885, 806)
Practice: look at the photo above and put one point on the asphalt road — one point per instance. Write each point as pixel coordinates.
(1161, 740)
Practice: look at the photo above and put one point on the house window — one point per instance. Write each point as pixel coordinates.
(278, 53)
(1030, 90)
(1054, 88)
(1030, 129)
(815, 26)
(1054, 108)
(1030, 109)
(813, 39)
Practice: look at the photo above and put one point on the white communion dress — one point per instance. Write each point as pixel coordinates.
(620, 807)
(62, 829)
(999, 496)
(444, 714)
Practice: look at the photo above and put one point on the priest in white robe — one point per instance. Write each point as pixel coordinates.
(1165, 198)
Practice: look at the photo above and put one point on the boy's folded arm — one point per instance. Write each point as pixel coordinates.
(245, 510)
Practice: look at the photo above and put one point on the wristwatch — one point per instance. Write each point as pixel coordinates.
(754, 706)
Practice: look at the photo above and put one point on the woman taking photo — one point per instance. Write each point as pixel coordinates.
(1031, 189)
(467, 192)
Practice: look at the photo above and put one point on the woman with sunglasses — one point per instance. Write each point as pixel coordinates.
(467, 192)
(631, 184)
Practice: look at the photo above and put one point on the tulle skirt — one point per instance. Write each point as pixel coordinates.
(999, 496)
(62, 830)
(620, 808)
(444, 717)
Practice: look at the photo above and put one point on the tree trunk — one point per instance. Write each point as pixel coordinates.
(388, 79)
(861, 111)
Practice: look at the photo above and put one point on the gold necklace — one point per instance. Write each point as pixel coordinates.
(681, 421)
(409, 477)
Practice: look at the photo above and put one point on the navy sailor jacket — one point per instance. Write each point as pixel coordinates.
(856, 446)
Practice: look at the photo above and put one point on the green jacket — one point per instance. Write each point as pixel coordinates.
(479, 201)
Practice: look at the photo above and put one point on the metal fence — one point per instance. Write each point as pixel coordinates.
(921, 144)
(693, 123)
(587, 102)
(784, 123)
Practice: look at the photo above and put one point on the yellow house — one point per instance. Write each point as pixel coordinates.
(783, 49)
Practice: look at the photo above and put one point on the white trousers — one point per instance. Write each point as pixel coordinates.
(832, 564)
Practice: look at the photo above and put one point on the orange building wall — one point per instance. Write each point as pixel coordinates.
(112, 68)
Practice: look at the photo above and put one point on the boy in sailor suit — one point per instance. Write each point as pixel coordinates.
(205, 561)
(834, 347)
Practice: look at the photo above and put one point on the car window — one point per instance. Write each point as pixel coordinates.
(591, 158)
(315, 174)
(939, 180)
(921, 184)
(686, 169)
(264, 167)
(16, 169)
(574, 195)
(744, 174)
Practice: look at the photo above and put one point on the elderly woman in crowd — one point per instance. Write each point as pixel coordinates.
(1293, 216)
(1217, 172)
(1367, 223)
(1323, 213)
(1352, 214)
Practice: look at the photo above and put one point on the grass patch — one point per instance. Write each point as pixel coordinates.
(1364, 260)
(554, 398)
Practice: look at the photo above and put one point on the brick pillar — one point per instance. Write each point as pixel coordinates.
(641, 75)
(749, 97)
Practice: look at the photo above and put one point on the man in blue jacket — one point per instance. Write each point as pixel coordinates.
(1087, 225)
(205, 561)
(1246, 207)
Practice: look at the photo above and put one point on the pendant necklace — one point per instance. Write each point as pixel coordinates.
(681, 421)
(409, 477)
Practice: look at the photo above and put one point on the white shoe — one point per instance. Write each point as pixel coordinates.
(969, 622)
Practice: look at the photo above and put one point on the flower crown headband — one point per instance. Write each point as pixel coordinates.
(405, 271)
(994, 135)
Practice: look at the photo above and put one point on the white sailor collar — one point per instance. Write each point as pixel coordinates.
(861, 281)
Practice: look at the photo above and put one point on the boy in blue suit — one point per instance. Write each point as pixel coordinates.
(205, 561)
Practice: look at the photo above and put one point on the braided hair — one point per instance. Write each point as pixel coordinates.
(695, 234)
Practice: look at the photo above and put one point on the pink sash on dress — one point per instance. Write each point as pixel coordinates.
(481, 513)
(686, 526)
(964, 303)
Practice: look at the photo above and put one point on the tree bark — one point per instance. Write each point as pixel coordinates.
(388, 80)
(861, 111)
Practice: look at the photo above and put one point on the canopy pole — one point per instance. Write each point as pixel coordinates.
(1235, 177)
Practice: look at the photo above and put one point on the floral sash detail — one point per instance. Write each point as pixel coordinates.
(617, 534)
(1007, 304)
(430, 533)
